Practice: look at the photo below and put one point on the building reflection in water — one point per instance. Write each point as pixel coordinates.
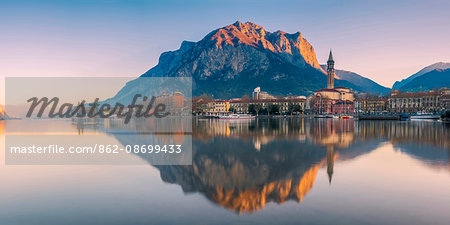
(330, 162)
(243, 165)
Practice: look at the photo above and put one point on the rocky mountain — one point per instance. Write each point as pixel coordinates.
(440, 65)
(231, 61)
(365, 84)
(3, 115)
(245, 169)
(432, 80)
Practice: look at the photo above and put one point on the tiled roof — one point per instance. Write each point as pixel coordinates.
(269, 100)
(327, 89)
(344, 102)
(416, 94)
(371, 99)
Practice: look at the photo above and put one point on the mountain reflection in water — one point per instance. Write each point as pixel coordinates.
(243, 165)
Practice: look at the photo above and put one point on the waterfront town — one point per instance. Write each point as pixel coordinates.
(328, 101)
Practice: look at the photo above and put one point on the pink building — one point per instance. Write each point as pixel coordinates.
(343, 107)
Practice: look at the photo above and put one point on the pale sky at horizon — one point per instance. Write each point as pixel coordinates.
(382, 40)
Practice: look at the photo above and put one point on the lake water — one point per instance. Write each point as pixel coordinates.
(265, 171)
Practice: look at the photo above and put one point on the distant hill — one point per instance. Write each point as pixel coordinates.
(434, 79)
(3, 115)
(231, 61)
(364, 84)
(440, 65)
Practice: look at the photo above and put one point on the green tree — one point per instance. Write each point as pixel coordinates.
(274, 109)
(252, 109)
(294, 108)
(232, 109)
(264, 111)
(291, 108)
(298, 108)
(257, 109)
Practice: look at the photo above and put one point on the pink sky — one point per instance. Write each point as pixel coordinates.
(385, 41)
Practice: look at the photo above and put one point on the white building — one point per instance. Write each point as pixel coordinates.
(259, 95)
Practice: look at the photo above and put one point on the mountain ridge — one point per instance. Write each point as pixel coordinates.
(439, 65)
(366, 84)
(291, 47)
(434, 79)
(231, 61)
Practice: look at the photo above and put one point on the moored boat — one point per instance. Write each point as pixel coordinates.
(424, 116)
(328, 116)
(237, 116)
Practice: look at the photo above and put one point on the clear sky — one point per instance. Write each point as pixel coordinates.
(382, 40)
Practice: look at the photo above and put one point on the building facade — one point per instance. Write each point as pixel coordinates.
(429, 102)
(339, 93)
(217, 107)
(174, 102)
(371, 105)
(445, 101)
(259, 95)
(333, 106)
(343, 107)
(291, 105)
(333, 100)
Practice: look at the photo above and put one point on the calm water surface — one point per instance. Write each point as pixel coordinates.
(267, 171)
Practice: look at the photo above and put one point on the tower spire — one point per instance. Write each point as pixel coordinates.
(330, 58)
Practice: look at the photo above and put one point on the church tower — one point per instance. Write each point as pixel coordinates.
(330, 162)
(330, 72)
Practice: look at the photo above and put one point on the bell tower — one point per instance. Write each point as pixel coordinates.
(330, 162)
(330, 71)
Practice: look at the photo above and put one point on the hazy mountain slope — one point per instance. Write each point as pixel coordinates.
(440, 65)
(364, 84)
(435, 79)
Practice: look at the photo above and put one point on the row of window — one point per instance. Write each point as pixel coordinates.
(416, 100)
